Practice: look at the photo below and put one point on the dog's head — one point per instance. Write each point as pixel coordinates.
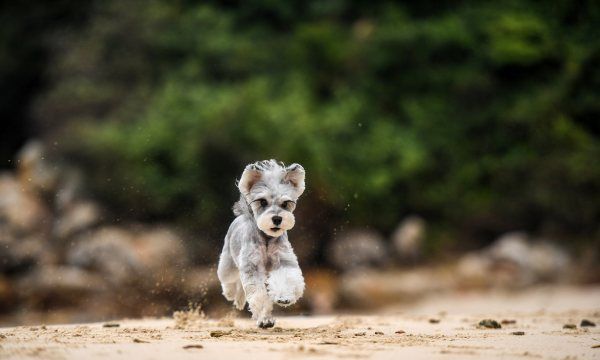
(271, 190)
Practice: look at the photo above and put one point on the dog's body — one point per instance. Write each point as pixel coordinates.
(257, 263)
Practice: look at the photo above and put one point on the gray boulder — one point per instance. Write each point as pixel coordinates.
(358, 249)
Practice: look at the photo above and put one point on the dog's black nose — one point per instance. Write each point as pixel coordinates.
(276, 220)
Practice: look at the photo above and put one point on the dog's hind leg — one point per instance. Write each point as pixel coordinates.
(228, 275)
(240, 296)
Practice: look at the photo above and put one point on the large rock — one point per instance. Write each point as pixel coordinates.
(145, 257)
(78, 216)
(108, 251)
(371, 289)
(358, 249)
(162, 256)
(514, 260)
(59, 285)
(322, 292)
(21, 209)
(408, 238)
(34, 170)
(19, 254)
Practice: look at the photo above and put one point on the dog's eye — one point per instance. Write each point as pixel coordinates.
(263, 203)
(288, 205)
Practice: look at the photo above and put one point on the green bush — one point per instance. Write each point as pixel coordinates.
(481, 117)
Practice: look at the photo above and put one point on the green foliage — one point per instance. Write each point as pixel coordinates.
(477, 116)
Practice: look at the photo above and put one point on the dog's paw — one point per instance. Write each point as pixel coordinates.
(284, 301)
(239, 304)
(265, 323)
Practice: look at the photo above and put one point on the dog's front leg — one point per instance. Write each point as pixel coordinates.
(253, 279)
(285, 283)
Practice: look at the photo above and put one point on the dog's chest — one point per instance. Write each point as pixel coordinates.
(270, 253)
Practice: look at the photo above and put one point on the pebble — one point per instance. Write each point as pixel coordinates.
(378, 333)
(434, 321)
(507, 322)
(219, 333)
(400, 332)
(518, 333)
(569, 326)
(490, 324)
(193, 346)
(585, 323)
(111, 325)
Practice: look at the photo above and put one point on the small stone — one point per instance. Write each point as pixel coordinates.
(489, 324)
(400, 332)
(434, 321)
(140, 341)
(219, 333)
(586, 323)
(362, 333)
(193, 346)
(110, 325)
(378, 333)
(507, 322)
(569, 326)
(518, 333)
(596, 346)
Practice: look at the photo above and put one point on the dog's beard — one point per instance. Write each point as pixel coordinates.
(265, 223)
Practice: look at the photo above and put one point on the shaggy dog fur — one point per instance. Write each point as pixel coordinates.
(258, 264)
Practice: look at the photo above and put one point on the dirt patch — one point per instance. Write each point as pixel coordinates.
(406, 332)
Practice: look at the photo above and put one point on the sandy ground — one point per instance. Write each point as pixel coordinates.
(442, 327)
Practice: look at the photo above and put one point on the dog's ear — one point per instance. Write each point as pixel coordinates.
(250, 176)
(294, 174)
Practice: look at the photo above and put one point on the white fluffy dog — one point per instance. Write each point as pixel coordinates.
(257, 263)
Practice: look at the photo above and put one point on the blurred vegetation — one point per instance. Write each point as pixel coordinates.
(482, 117)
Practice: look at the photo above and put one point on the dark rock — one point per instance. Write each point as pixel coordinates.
(219, 333)
(569, 326)
(587, 323)
(434, 321)
(489, 324)
(508, 322)
(517, 333)
(111, 325)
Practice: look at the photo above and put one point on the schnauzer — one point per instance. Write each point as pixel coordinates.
(257, 263)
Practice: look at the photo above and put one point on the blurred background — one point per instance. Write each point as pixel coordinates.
(449, 146)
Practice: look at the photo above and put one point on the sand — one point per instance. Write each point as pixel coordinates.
(444, 327)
